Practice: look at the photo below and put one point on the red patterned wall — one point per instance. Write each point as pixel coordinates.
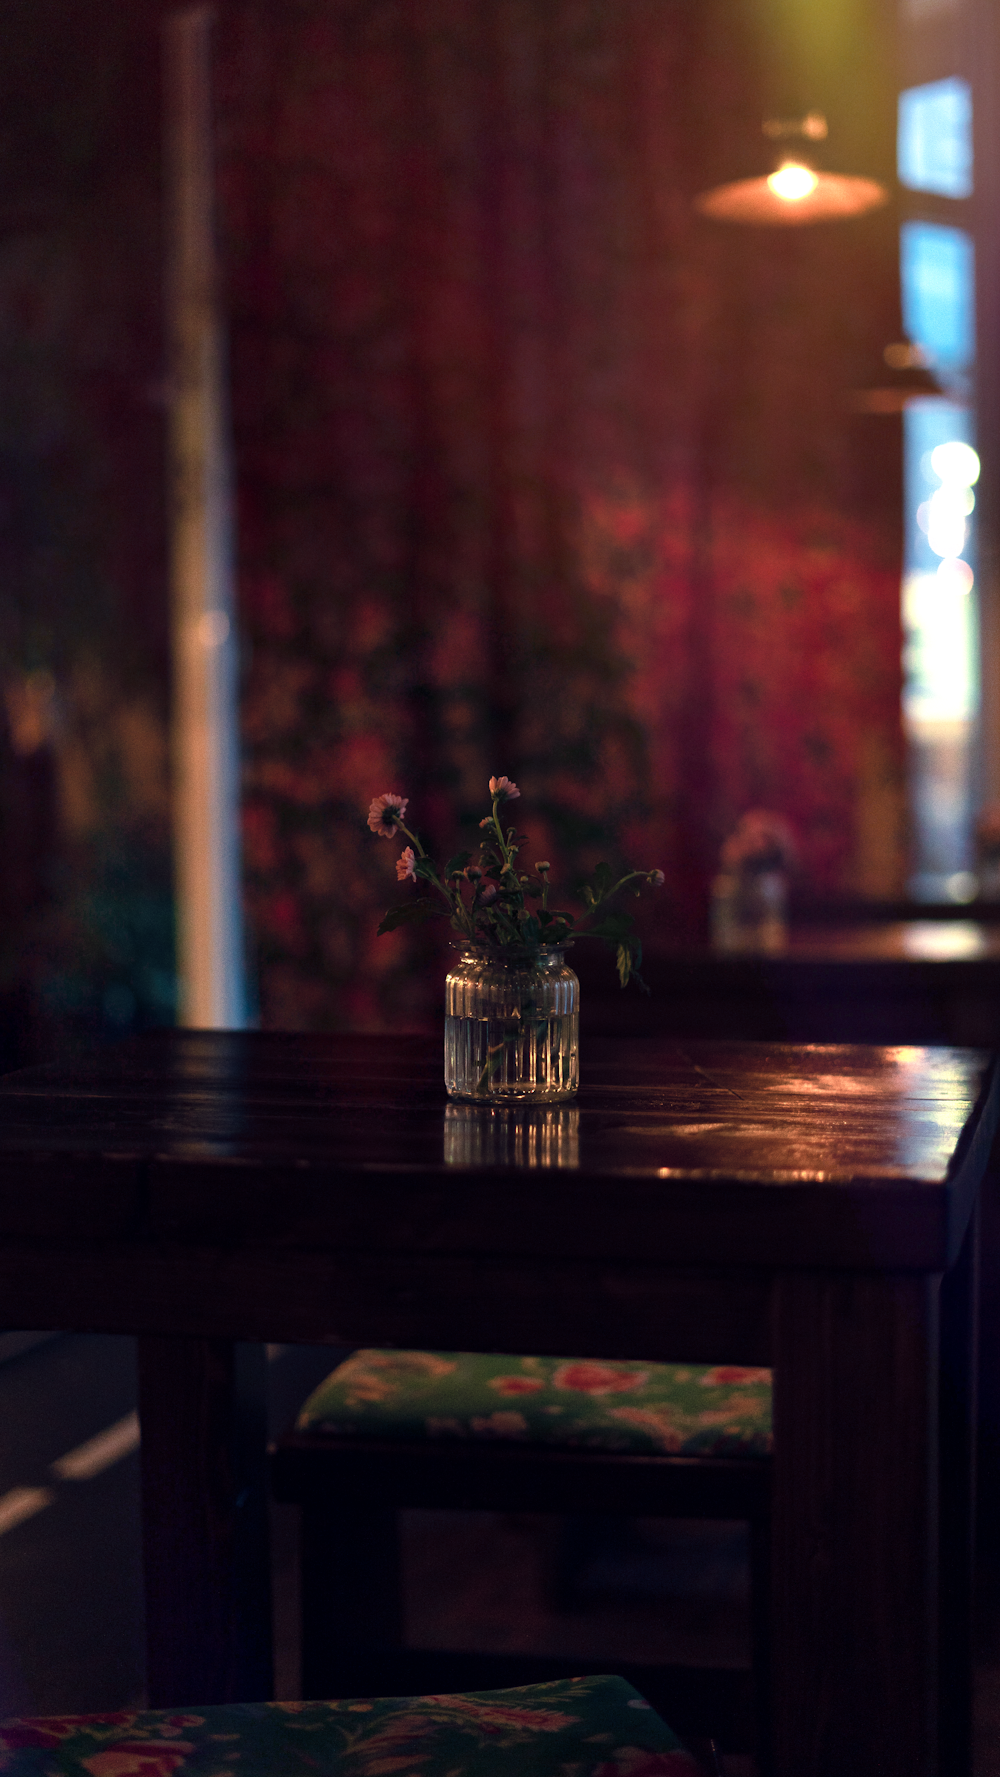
(538, 471)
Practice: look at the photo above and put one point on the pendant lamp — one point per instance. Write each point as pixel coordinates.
(904, 376)
(796, 192)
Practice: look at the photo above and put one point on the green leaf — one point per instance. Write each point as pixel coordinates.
(602, 879)
(628, 956)
(409, 913)
(457, 863)
(425, 869)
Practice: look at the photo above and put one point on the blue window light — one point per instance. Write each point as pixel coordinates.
(940, 601)
(934, 138)
(937, 266)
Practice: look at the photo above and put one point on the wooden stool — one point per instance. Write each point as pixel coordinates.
(389, 1430)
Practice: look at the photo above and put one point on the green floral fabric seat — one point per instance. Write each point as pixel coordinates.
(592, 1727)
(675, 1409)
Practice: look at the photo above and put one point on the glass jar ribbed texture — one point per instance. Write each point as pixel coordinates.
(512, 1026)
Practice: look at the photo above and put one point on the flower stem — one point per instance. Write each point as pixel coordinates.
(633, 876)
(411, 836)
(454, 900)
(507, 852)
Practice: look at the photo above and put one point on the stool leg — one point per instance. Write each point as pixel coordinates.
(352, 1617)
(572, 1545)
(957, 1436)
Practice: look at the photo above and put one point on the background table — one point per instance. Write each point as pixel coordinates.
(713, 1202)
(901, 981)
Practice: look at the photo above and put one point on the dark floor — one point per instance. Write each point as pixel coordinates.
(71, 1632)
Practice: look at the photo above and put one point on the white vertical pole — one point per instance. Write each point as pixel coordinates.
(205, 711)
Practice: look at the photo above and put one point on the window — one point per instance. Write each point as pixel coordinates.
(940, 615)
(935, 138)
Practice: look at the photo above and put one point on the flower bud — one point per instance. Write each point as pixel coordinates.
(543, 866)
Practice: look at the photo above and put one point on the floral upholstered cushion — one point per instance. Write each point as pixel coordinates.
(680, 1409)
(590, 1727)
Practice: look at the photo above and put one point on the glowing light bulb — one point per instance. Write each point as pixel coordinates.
(946, 527)
(955, 577)
(792, 182)
(956, 463)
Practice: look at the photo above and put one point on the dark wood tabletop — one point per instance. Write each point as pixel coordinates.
(793, 1205)
(715, 1152)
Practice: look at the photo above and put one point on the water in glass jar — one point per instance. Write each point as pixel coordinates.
(512, 1058)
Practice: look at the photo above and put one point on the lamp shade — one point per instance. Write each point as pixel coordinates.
(796, 192)
(827, 197)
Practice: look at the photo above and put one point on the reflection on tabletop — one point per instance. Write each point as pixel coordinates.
(511, 1135)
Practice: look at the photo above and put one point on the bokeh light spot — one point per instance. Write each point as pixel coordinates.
(956, 463)
(792, 182)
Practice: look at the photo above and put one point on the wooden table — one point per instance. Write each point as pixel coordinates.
(804, 1207)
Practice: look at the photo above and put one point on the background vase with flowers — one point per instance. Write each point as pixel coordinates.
(512, 1020)
(749, 910)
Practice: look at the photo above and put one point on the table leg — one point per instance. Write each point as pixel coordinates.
(208, 1627)
(855, 1525)
(957, 1442)
(988, 1454)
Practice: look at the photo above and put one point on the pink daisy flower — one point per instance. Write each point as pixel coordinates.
(385, 813)
(487, 894)
(405, 865)
(504, 789)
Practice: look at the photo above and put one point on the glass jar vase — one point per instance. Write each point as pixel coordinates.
(749, 911)
(511, 1026)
